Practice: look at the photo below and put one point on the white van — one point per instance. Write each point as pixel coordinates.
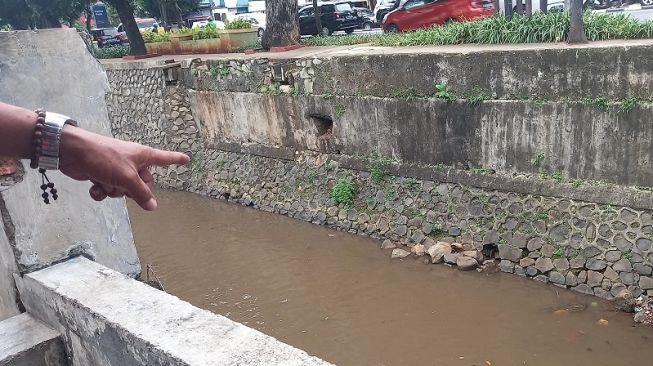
(552, 5)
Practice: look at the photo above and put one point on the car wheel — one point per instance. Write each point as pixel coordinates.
(392, 28)
(260, 32)
(368, 25)
(646, 2)
(449, 21)
(325, 31)
(349, 30)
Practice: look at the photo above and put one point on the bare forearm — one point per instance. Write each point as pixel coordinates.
(16, 131)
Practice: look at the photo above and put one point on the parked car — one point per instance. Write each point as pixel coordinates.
(257, 20)
(144, 24)
(551, 5)
(334, 16)
(368, 21)
(414, 14)
(203, 23)
(108, 37)
(383, 7)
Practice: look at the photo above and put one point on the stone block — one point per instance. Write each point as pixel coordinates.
(509, 252)
(109, 319)
(26, 341)
(506, 266)
(645, 283)
(561, 264)
(544, 264)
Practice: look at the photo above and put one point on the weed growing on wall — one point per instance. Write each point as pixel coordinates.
(442, 91)
(628, 104)
(407, 95)
(220, 71)
(378, 168)
(339, 110)
(343, 192)
(558, 252)
(537, 159)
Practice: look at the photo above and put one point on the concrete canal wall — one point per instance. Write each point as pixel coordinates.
(555, 185)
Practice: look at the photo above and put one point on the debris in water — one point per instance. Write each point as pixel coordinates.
(561, 312)
(602, 322)
(488, 363)
(284, 301)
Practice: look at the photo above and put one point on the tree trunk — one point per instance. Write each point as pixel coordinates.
(318, 17)
(89, 15)
(126, 14)
(282, 23)
(372, 4)
(519, 8)
(180, 17)
(529, 8)
(576, 29)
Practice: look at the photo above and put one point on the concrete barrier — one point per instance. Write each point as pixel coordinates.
(28, 342)
(110, 319)
(53, 69)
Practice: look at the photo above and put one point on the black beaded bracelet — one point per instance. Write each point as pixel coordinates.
(34, 161)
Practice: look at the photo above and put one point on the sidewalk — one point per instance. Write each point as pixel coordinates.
(367, 50)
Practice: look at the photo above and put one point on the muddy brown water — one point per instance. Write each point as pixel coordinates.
(338, 296)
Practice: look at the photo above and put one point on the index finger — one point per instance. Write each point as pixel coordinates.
(164, 158)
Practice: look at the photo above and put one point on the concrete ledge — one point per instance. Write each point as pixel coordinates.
(25, 341)
(111, 319)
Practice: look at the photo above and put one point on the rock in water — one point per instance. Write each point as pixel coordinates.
(399, 253)
(387, 244)
(438, 251)
(466, 263)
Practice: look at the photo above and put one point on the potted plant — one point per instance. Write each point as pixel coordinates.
(157, 42)
(206, 39)
(239, 33)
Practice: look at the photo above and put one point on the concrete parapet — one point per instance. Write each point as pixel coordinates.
(28, 342)
(110, 319)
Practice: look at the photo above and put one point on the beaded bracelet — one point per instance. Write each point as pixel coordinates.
(40, 144)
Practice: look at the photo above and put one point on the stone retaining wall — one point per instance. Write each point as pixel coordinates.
(592, 237)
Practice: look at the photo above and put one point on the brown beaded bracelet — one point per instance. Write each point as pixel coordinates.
(34, 161)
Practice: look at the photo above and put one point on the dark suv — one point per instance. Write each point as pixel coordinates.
(336, 16)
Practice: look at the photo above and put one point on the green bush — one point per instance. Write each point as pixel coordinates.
(540, 27)
(208, 32)
(111, 52)
(238, 24)
(343, 192)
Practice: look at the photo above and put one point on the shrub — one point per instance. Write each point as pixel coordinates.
(208, 32)
(238, 24)
(112, 52)
(540, 27)
(343, 192)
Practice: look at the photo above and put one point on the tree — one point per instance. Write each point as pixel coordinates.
(28, 14)
(160, 8)
(576, 28)
(126, 14)
(282, 20)
(318, 16)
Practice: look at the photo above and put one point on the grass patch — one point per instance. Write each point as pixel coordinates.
(540, 27)
(111, 52)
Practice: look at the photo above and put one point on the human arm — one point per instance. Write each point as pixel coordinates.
(116, 168)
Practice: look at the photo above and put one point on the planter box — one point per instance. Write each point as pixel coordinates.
(211, 45)
(185, 47)
(152, 48)
(177, 39)
(239, 37)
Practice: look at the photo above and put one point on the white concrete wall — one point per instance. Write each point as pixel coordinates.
(110, 319)
(52, 69)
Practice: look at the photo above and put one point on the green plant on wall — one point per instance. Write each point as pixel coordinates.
(220, 71)
(558, 252)
(537, 159)
(628, 104)
(378, 168)
(343, 192)
(442, 91)
(408, 94)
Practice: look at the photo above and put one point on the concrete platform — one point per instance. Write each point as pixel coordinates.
(25, 341)
(110, 319)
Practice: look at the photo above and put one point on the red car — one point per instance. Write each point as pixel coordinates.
(414, 14)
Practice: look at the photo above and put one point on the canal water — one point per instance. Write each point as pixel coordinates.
(338, 296)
